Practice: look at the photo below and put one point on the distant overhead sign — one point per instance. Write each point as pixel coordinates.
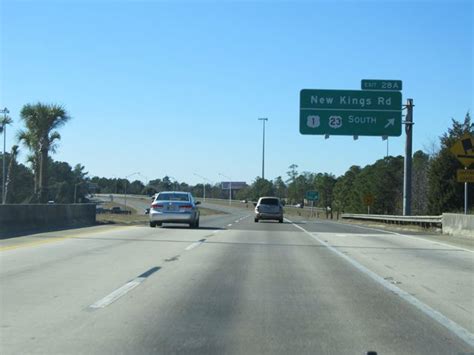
(236, 185)
(463, 149)
(376, 84)
(350, 112)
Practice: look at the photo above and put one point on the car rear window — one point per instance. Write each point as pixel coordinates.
(172, 197)
(270, 201)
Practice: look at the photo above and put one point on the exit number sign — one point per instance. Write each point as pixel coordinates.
(373, 84)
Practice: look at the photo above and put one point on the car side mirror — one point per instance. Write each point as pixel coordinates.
(255, 204)
(198, 202)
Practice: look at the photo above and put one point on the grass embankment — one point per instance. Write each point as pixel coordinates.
(134, 217)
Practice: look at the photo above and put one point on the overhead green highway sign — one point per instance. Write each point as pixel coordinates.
(351, 112)
(373, 84)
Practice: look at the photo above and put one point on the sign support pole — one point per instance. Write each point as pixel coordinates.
(312, 204)
(408, 159)
(465, 194)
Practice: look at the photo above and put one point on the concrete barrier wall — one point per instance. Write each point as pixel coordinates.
(31, 217)
(458, 224)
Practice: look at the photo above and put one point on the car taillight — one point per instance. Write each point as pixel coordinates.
(186, 207)
(156, 206)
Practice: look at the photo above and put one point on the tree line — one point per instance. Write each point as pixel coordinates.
(137, 187)
(435, 189)
(434, 186)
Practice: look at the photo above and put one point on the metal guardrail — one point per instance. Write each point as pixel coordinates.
(424, 221)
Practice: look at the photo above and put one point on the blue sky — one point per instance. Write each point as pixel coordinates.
(176, 87)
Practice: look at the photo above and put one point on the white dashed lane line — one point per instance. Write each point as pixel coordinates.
(123, 290)
(195, 244)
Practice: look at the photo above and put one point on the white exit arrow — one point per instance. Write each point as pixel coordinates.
(391, 122)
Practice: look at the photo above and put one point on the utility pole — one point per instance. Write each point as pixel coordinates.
(408, 158)
(263, 146)
(4, 130)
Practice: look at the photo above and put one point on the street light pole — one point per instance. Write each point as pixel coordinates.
(126, 183)
(263, 146)
(204, 185)
(4, 130)
(147, 180)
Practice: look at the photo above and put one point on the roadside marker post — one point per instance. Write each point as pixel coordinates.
(368, 201)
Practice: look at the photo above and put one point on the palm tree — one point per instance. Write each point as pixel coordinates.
(41, 137)
(13, 156)
(28, 138)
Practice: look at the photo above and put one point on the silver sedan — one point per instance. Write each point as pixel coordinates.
(174, 207)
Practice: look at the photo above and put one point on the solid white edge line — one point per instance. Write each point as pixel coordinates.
(455, 328)
(115, 295)
(407, 236)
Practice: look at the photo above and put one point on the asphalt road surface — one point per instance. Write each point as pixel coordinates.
(235, 287)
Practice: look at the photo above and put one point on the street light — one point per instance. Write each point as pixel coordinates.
(230, 187)
(146, 180)
(263, 146)
(126, 178)
(4, 130)
(204, 185)
(144, 176)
